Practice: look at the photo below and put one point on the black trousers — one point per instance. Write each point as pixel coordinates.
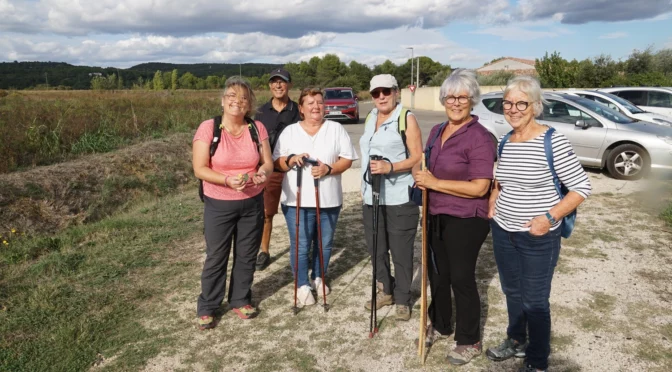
(454, 246)
(397, 226)
(221, 218)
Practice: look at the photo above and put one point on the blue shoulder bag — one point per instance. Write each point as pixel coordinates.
(569, 220)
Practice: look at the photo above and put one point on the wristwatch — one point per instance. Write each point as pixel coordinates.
(551, 219)
(329, 171)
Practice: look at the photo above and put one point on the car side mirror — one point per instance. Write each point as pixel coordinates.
(582, 124)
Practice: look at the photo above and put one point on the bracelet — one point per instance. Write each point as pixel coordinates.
(328, 171)
(226, 178)
(288, 159)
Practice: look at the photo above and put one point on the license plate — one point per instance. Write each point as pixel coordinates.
(334, 112)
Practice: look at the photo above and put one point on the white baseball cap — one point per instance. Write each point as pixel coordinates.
(383, 81)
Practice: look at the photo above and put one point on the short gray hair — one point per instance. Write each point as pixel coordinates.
(459, 81)
(529, 86)
(240, 82)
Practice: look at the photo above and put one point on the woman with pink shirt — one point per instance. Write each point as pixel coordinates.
(233, 183)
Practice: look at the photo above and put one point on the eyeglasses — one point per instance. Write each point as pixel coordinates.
(234, 96)
(461, 100)
(385, 91)
(520, 105)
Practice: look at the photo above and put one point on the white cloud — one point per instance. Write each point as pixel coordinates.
(290, 18)
(582, 11)
(614, 35)
(522, 32)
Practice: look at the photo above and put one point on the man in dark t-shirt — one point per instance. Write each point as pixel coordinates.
(276, 114)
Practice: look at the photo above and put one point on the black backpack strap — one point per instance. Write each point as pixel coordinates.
(254, 132)
(216, 134)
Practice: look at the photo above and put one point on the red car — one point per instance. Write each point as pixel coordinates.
(341, 104)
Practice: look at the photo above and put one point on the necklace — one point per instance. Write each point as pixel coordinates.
(231, 132)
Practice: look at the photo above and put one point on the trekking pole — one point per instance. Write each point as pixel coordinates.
(299, 173)
(375, 191)
(423, 279)
(323, 268)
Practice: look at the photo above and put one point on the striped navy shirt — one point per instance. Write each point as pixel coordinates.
(527, 183)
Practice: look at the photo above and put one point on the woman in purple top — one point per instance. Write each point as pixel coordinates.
(461, 160)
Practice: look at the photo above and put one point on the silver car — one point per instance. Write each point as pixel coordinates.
(601, 137)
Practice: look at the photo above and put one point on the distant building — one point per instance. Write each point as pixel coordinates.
(518, 66)
(95, 74)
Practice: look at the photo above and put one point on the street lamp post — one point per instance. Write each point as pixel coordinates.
(412, 92)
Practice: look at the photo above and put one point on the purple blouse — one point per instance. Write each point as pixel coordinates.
(468, 154)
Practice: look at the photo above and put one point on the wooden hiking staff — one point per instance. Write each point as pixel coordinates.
(423, 273)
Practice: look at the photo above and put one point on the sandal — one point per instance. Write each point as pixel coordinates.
(206, 322)
(246, 312)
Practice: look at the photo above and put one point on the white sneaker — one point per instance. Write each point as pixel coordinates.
(317, 286)
(305, 296)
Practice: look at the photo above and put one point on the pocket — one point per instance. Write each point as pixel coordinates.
(404, 218)
(537, 237)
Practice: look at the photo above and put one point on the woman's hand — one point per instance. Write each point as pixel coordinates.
(237, 183)
(297, 160)
(539, 225)
(319, 170)
(491, 208)
(260, 177)
(380, 166)
(424, 180)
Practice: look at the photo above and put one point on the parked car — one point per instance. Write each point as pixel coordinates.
(621, 105)
(600, 136)
(341, 104)
(653, 99)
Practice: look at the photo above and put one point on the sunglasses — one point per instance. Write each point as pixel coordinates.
(385, 91)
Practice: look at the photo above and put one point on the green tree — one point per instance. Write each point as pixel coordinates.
(386, 67)
(328, 69)
(187, 81)
(362, 73)
(173, 80)
(212, 82)
(640, 62)
(157, 82)
(439, 77)
(552, 71)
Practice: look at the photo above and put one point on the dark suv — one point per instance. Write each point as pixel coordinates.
(341, 104)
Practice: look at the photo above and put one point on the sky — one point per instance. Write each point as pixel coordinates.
(123, 33)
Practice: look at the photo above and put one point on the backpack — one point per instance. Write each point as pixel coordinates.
(216, 135)
(401, 128)
(568, 221)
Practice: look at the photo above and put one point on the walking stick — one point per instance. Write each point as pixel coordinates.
(319, 235)
(299, 173)
(423, 280)
(375, 188)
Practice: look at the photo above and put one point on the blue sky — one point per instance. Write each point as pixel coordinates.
(121, 33)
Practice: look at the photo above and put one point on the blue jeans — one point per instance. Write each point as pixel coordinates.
(526, 264)
(308, 238)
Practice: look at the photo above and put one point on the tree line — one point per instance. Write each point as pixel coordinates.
(641, 68)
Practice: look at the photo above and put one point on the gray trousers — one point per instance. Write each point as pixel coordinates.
(221, 218)
(397, 226)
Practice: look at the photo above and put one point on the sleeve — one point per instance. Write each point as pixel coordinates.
(347, 149)
(567, 166)
(281, 146)
(204, 131)
(261, 129)
(482, 159)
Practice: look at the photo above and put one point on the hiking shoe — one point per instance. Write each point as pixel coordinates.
(246, 312)
(382, 300)
(263, 259)
(432, 336)
(305, 296)
(507, 349)
(317, 286)
(206, 322)
(463, 354)
(403, 313)
(529, 368)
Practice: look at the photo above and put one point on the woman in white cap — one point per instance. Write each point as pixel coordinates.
(391, 133)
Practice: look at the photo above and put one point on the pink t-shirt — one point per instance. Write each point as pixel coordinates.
(234, 156)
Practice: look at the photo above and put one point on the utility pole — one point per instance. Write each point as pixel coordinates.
(240, 70)
(412, 92)
(417, 72)
(46, 79)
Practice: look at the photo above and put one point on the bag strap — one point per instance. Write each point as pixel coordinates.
(401, 128)
(216, 134)
(501, 144)
(548, 149)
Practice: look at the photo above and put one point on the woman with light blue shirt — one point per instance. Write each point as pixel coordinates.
(397, 214)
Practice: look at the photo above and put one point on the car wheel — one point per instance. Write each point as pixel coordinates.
(628, 162)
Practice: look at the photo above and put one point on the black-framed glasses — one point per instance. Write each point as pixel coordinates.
(385, 91)
(461, 100)
(520, 105)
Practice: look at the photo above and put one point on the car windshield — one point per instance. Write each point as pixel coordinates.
(600, 109)
(338, 94)
(627, 104)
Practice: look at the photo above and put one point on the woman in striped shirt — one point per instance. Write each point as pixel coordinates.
(526, 214)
